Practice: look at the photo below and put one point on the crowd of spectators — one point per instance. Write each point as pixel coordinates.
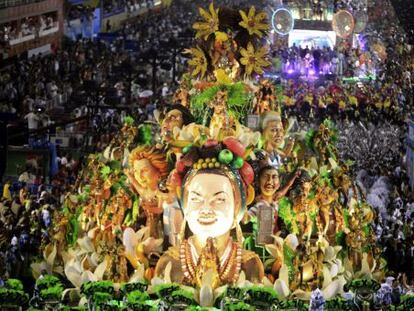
(106, 81)
(394, 205)
(111, 6)
(28, 26)
(26, 208)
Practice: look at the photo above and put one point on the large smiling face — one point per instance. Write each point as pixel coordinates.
(145, 174)
(274, 133)
(209, 205)
(269, 182)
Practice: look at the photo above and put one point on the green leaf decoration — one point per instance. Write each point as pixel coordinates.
(345, 213)
(338, 303)
(105, 171)
(128, 120)
(196, 308)
(89, 288)
(298, 305)
(137, 296)
(239, 306)
(182, 296)
(14, 284)
(47, 281)
(115, 165)
(287, 214)
(132, 287)
(235, 292)
(238, 102)
(72, 230)
(135, 209)
(288, 256)
(145, 134)
(164, 290)
(67, 308)
(13, 297)
(363, 283)
(249, 243)
(309, 139)
(333, 131)
(52, 293)
(199, 104)
(340, 238)
(260, 296)
(366, 229)
(408, 300)
(100, 298)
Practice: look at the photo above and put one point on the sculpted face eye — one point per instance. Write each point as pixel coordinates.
(195, 198)
(219, 200)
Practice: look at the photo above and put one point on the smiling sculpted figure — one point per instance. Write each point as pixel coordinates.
(266, 207)
(213, 203)
(147, 167)
(273, 134)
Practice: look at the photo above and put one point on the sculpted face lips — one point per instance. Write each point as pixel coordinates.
(207, 219)
(269, 186)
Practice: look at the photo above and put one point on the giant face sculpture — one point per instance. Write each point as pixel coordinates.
(269, 182)
(145, 174)
(209, 204)
(274, 133)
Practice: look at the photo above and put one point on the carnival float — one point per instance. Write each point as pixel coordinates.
(201, 211)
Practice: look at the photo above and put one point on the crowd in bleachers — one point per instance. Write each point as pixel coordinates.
(107, 81)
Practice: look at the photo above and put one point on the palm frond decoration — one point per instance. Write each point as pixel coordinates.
(239, 102)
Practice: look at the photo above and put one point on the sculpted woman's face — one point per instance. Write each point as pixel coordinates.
(274, 133)
(209, 205)
(269, 182)
(145, 174)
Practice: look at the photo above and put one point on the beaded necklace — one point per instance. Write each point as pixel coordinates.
(230, 262)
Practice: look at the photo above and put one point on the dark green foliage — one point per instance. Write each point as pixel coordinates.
(137, 297)
(90, 288)
(52, 293)
(165, 290)
(47, 281)
(260, 296)
(130, 287)
(14, 284)
(145, 134)
(238, 102)
(13, 297)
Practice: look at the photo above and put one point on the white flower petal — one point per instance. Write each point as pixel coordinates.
(138, 274)
(87, 276)
(86, 244)
(206, 296)
(100, 270)
(130, 240)
(281, 288)
(327, 279)
(167, 273)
